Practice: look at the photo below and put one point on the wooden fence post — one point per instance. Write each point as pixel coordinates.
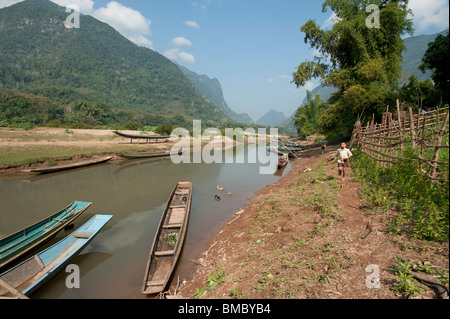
(399, 115)
(411, 128)
(438, 147)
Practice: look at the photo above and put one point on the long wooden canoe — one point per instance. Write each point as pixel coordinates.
(34, 272)
(291, 148)
(169, 239)
(142, 137)
(14, 246)
(146, 155)
(56, 168)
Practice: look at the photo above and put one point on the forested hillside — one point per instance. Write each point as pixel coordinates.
(40, 55)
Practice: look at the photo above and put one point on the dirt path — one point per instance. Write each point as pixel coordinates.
(306, 236)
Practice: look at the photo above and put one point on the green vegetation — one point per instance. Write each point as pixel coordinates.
(406, 286)
(171, 238)
(94, 64)
(422, 205)
(217, 278)
(436, 59)
(362, 63)
(419, 94)
(306, 117)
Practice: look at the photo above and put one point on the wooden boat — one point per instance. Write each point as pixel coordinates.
(146, 155)
(142, 137)
(275, 150)
(34, 272)
(281, 151)
(282, 161)
(164, 252)
(23, 241)
(290, 143)
(291, 148)
(56, 168)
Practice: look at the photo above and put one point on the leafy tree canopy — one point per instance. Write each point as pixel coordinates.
(437, 59)
(363, 63)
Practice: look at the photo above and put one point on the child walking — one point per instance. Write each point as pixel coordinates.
(344, 155)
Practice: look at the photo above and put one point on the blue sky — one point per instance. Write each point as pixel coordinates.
(252, 47)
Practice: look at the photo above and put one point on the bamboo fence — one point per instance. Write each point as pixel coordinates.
(386, 141)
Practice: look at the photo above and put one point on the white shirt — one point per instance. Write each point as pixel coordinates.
(343, 153)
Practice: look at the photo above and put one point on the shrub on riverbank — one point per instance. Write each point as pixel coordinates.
(422, 205)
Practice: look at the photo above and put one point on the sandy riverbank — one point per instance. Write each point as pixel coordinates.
(21, 149)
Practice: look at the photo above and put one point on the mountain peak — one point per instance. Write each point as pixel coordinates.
(272, 118)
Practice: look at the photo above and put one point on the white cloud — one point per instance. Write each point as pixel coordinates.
(192, 24)
(172, 54)
(330, 21)
(141, 41)
(180, 41)
(186, 57)
(430, 13)
(175, 54)
(129, 22)
(309, 86)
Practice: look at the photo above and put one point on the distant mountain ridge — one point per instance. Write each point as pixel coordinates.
(212, 90)
(40, 55)
(272, 118)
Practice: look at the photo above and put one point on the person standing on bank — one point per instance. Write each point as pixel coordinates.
(323, 146)
(344, 155)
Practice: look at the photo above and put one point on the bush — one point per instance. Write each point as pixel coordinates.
(133, 126)
(422, 205)
(54, 123)
(165, 129)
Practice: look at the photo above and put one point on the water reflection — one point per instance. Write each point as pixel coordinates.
(135, 192)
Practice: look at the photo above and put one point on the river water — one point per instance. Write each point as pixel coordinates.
(135, 192)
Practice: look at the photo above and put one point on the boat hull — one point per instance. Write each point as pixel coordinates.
(143, 137)
(23, 241)
(149, 155)
(36, 271)
(57, 168)
(163, 257)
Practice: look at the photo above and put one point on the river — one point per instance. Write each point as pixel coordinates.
(135, 192)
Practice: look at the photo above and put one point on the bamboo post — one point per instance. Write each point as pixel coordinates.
(411, 128)
(422, 143)
(400, 125)
(418, 127)
(386, 126)
(437, 148)
(372, 132)
(12, 290)
(391, 125)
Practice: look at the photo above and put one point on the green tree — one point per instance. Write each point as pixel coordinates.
(436, 58)
(306, 117)
(363, 63)
(419, 94)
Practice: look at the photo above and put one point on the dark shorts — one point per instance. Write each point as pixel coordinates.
(343, 165)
